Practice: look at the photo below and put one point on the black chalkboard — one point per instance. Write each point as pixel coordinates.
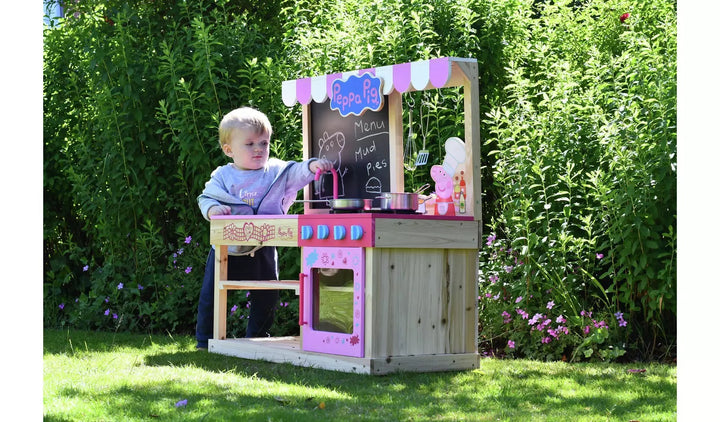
(358, 146)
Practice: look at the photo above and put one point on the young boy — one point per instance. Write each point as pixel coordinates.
(251, 184)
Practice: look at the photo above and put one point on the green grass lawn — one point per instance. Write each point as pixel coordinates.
(91, 376)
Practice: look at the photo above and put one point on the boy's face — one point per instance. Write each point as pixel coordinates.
(249, 151)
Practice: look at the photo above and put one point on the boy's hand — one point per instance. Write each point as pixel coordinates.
(219, 210)
(321, 164)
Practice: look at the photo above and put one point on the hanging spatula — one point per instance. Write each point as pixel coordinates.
(423, 154)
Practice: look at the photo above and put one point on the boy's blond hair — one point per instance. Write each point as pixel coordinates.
(244, 118)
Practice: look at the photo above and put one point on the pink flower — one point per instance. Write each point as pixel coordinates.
(511, 344)
(550, 304)
(624, 17)
(560, 320)
(546, 340)
(599, 256)
(586, 330)
(519, 298)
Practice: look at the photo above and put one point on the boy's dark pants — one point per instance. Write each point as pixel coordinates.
(262, 302)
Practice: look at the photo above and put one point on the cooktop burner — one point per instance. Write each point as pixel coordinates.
(374, 211)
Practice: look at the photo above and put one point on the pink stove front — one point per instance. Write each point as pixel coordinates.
(333, 300)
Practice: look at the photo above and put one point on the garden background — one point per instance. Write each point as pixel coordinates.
(578, 132)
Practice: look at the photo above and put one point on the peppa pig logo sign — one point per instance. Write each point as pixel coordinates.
(356, 94)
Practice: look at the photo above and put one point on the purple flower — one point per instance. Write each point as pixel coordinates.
(508, 268)
(115, 316)
(552, 332)
(546, 340)
(497, 296)
(491, 239)
(120, 286)
(61, 306)
(247, 294)
(107, 299)
(560, 320)
(535, 319)
(180, 251)
(233, 309)
(187, 270)
(586, 330)
(85, 268)
(188, 239)
(522, 313)
(550, 304)
(586, 314)
(601, 324)
(599, 256)
(107, 311)
(174, 256)
(519, 298)
(140, 287)
(181, 403)
(618, 315)
(493, 278)
(506, 317)
(622, 323)
(511, 344)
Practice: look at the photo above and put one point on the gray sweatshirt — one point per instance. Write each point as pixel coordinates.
(270, 190)
(267, 191)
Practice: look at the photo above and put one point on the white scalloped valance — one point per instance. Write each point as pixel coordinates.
(416, 76)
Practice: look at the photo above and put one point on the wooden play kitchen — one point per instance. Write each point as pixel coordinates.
(388, 285)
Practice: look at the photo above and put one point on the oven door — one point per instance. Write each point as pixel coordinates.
(333, 300)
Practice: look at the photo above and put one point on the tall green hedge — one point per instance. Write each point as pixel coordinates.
(578, 151)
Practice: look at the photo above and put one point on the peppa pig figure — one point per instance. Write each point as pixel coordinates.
(444, 190)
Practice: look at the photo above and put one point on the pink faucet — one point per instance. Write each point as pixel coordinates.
(335, 180)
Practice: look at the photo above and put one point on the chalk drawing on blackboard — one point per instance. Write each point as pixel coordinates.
(331, 148)
(373, 185)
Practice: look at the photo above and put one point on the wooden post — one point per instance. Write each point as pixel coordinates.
(220, 295)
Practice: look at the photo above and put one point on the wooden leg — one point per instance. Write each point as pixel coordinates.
(220, 294)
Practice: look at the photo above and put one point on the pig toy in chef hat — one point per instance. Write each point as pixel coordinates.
(443, 175)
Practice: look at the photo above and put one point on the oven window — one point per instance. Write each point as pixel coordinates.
(333, 300)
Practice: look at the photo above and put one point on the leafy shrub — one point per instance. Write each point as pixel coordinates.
(585, 159)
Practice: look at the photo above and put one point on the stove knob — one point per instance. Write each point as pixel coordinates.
(356, 232)
(323, 231)
(339, 232)
(306, 232)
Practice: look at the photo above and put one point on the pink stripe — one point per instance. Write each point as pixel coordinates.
(401, 76)
(439, 71)
(329, 79)
(303, 90)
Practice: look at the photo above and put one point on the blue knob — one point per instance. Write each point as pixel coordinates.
(306, 232)
(356, 232)
(323, 231)
(339, 232)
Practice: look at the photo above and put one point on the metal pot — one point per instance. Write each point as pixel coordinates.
(398, 201)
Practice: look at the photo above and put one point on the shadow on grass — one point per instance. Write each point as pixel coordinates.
(70, 341)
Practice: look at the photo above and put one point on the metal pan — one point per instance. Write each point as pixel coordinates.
(399, 201)
(341, 204)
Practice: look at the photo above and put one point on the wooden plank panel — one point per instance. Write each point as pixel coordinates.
(260, 284)
(425, 363)
(430, 234)
(282, 231)
(462, 301)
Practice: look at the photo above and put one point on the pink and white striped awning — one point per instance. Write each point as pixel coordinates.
(416, 76)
